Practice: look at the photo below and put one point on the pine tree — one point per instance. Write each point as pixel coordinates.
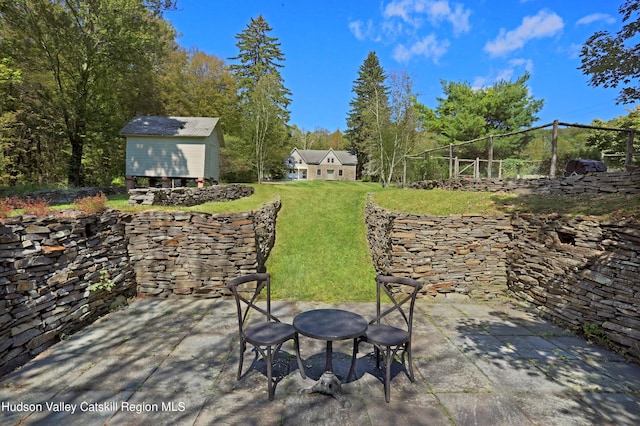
(263, 98)
(370, 100)
(260, 55)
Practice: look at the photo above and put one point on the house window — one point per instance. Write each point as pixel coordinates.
(318, 172)
(340, 172)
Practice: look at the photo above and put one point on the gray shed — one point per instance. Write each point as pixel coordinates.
(173, 147)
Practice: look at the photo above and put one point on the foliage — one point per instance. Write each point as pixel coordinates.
(196, 84)
(87, 67)
(398, 130)
(615, 143)
(263, 99)
(612, 61)
(259, 56)
(8, 205)
(465, 113)
(91, 204)
(33, 206)
(104, 283)
(263, 129)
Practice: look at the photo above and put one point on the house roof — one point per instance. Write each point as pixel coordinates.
(315, 156)
(144, 125)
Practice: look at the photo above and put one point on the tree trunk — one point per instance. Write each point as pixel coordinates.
(74, 172)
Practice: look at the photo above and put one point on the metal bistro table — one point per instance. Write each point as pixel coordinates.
(330, 325)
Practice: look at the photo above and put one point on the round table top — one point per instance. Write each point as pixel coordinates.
(330, 324)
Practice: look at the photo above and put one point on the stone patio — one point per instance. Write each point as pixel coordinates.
(174, 361)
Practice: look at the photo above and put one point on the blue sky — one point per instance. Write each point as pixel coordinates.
(478, 42)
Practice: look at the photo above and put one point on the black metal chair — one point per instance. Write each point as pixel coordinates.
(266, 336)
(395, 334)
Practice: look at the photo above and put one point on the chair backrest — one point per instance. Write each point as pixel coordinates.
(246, 306)
(401, 292)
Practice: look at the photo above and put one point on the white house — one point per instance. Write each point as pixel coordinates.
(311, 164)
(173, 148)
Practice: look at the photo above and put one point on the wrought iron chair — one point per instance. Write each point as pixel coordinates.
(395, 334)
(266, 336)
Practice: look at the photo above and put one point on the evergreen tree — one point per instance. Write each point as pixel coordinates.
(370, 100)
(259, 56)
(263, 98)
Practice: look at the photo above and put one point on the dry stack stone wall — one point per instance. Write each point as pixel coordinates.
(453, 255)
(592, 183)
(47, 268)
(580, 271)
(186, 196)
(180, 253)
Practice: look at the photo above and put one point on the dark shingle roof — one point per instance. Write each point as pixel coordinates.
(143, 125)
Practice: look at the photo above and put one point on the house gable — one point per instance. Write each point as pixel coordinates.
(321, 164)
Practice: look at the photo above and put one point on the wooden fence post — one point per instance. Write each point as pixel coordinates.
(490, 156)
(628, 159)
(451, 161)
(554, 149)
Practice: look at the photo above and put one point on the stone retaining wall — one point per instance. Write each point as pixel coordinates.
(47, 268)
(68, 196)
(453, 255)
(592, 183)
(581, 272)
(187, 196)
(180, 253)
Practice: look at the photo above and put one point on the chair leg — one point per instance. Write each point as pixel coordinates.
(296, 343)
(407, 350)
(388, 358)
(243, 347)
(269, 362)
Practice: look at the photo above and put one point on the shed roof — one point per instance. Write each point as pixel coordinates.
(144, 125)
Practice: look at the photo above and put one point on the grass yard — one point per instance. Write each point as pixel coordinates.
(321, 252)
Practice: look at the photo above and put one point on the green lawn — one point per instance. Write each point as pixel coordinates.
(321, 252)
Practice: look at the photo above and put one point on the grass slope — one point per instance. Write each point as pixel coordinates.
(321, 252)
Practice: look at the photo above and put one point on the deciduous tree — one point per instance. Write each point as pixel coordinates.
(91, 64)
(612, 61)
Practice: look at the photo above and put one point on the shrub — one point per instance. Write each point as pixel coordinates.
(91, 204)
(34, 206)
(7, 205)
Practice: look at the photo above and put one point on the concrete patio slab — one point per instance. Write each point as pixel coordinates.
(174, 362)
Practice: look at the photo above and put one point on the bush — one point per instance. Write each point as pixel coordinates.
(34, 206)
(91, 204)
(7, 205)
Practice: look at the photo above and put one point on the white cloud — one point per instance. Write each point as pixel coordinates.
(414, 12)
(596, 17)
(362, 30)
(544, 24)
(527, 64)
(504, 74)
(403, 21)
(429, 47)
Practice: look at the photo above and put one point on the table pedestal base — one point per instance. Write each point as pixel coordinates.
(328, 384)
